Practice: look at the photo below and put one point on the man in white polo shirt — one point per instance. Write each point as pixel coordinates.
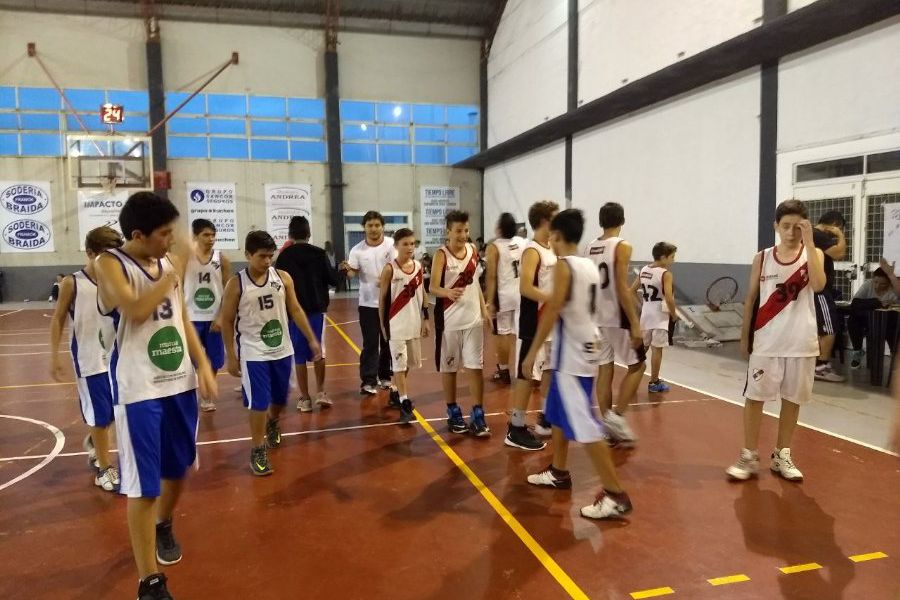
(366, 260)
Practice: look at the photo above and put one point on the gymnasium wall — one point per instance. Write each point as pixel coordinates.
(109, 53)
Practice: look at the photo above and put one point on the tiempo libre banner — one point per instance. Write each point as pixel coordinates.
(26, 216)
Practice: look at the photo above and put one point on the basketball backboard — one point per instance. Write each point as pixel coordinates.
(109, 161)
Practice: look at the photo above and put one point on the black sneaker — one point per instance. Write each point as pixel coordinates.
(477, 424)
(153, 587)
(455, 420)
(496, 375)
(505, 377)
(273, 433)
(406, 412)
(394, 399)
(259, 462)
(520, 437)
(168, 552)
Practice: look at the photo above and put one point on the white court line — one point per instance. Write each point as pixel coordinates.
(22, 345)
(11, 313)
(333, 430)
(27, 331)
(60, 442)
(2, 354)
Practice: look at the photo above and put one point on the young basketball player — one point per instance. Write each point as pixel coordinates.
(91, 338)
(206, 272)
(569, 312)
(260, 298)
(535, 286)
(658, 313)
(458, 317)
(620, 327)
(503, 256)
(779, 337)
(404, 316)
(154, 380)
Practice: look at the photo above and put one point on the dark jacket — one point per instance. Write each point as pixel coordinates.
(312, 274)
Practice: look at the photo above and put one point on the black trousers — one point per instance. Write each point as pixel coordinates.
(375, 360)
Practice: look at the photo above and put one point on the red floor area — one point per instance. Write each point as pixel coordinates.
(375, 510)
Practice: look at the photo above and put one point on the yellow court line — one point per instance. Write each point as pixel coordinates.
(870, 556)
(800, 568)
(729, 579)
(542, 555)
(663, 591)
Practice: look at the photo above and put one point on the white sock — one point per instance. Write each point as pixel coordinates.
(403, 397)
(503, 367)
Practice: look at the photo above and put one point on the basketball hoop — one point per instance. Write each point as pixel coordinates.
(721, 291)
(108, 183)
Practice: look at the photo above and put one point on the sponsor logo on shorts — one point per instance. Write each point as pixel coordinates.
(451, 360)
(758, 374)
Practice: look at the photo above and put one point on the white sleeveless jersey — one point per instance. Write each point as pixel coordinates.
(654, 312)
(262, 319)
(203, 287)
(404, 306)
(91, 335)
(529, 310)
(603, 254)
(150, 360)
(784, 323)
(509, 255)
(460, 273)
(576, 341)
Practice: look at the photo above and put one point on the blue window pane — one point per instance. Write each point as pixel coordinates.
(394, 153)
(308, 151)
(267, 106)
(269, 149)
(228, 126)
(9, 144)
(7, 97)
(41, 144)
(352, 110)
(45, 122)
(359, 153)
(187, 147)
(458, 153)
(134, 101)
(462, 115)
(8, 121)
(469, 135)
(134, 123)
(431, 134)
(430, 155)
(269, 128)
(197, 105)
(92, 122)
(393, 113)
(226, 104)
(362, 131)
(393, 134)
(39, 98)
(86, 100)
(227, 148)
(429, 114)
(306, 108)
(186, 125)
(306, 130)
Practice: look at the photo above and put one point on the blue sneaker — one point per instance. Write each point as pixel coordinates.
(657, 387)
(455, 420)
(478, 426)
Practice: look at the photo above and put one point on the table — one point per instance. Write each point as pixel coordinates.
(882, 328)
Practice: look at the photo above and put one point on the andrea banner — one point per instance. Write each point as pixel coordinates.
(98, 208)
(216, 202)
(26, 216)
(284, 201)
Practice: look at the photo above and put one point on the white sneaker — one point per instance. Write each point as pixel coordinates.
(207, 405)
(608, 507)
(369, 389)
(304, 404)
(618, 427)
(384, 384)
(107, 479)
(827, 374)
(547, 478)
(322, 399)
(541, 431)
(747, 466)
(784, 466)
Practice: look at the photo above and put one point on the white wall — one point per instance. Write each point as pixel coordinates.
(527, 67)
(624, 40)
(686, 172)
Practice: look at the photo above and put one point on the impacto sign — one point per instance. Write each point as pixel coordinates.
(26, 216)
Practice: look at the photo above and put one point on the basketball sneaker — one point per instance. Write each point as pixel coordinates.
(394, 398)
(108, 479)
(153, 587)
(273, 433)
(825, 373)
(406, 412)
(657, 387)
(747, 466)
(477, 424)
(784, 466)
(304, 404)
(323, 400)
(608, 506)
(551, 477)
(168, 551)
(207, 405)
(520, 437)
(455, 421)
(259, 462)
(618, 428)
(368, 389)
(384, 384)
(542, 427)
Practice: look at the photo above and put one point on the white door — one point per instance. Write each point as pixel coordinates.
(877, 193)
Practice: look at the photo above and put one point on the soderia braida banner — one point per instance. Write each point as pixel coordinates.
(284, 201)
(26, 216)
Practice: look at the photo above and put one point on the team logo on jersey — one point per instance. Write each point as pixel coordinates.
(598, 250)
(276, 285)
(758, 374)
(165, 349)
(272, 333)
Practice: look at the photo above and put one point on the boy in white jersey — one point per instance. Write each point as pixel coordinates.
(535, 287)
(154, 381)
(91, 337)
(503, 256)
(206, 272)
(658, 313)
(459, 314)
(620, 327)
(403, 311)
(779, 337)
(575, 356)
(260, 298)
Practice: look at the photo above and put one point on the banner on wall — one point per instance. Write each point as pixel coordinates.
(98, 208)
(216, 202)
(285, 201)
(26, 216)
(892, 234)
(436, 202)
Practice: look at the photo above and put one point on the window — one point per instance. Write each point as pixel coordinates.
(230, 148)
(306, 130)
(306, 108)
(86, 100)
(197, 105)
(266, 106)
(187, 147)
(841, 167)
(430, 155)
(358, 131)
(228, 126)
(357, 111)
(308, 151)
(40, 144)
(9, 144)
(39, 99)
(883, 161)
(7, 97)
(226, 104)
(359, 153)
(269, 149)
(269, 128)
(186, 125)
(394, 154)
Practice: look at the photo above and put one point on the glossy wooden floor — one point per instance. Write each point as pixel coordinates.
(360, 507)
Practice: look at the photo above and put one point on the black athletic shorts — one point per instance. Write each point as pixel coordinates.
(826, 313)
